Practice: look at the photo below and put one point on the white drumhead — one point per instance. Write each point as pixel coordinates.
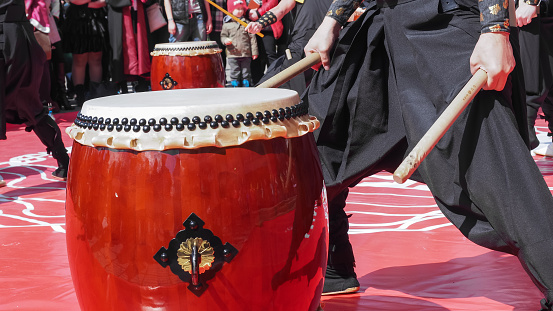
(189, 48)
(191, 118)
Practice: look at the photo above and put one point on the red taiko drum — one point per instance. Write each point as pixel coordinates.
(198, 199)
(187, 65)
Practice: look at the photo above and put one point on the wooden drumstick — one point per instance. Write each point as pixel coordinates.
(232, 15)
(440, 127)
(292, 71)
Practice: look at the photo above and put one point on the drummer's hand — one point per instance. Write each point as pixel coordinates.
(493, 53)
(525, 12)
(323, 40)
(227, 41)
(208, 27)
(172, 27)
(253, 27)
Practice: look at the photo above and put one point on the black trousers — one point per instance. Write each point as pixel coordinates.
(536, 48)
(21, 72)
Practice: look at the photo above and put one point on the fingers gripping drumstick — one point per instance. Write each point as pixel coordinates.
(440, 127)
(292, 71)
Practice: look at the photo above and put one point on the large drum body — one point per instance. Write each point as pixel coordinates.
(187, 65)
(223, 215)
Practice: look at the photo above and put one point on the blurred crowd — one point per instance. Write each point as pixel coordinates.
(97, 47)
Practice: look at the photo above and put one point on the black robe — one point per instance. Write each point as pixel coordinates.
(115, 30)
(21, 69)
(393, 73)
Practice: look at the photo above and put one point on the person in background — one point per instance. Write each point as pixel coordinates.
(39, 15)
(217, 17)
(85, 36)
(535, 19)
(185, 20)
(58, 91)
(130, 43)
(271, 33)
(308, 16)
(241, 45)
(21, 70)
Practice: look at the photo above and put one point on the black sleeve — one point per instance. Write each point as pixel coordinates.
(341, 10)
(494, 15)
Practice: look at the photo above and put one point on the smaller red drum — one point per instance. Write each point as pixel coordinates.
(187, 65)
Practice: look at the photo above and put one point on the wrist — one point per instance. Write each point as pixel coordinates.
(267, 19)
(331, 25)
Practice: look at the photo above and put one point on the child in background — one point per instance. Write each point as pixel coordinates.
(185, 20)
(241, 45)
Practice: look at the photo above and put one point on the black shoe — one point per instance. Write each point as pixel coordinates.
(340, 281)
(64, 102)
(61, 156)
(60, 174)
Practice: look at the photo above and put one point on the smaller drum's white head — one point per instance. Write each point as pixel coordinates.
(188, 48)
(214, 111)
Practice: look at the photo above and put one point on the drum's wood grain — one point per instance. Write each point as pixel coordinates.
(264, 197)
(200, 71)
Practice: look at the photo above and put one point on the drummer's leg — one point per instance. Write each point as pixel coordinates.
(340, 277)
(547, 107)
(49, 133)
(532, 108)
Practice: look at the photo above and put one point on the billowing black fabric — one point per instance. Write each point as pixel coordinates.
(481, 172)
(20, 73)
(22, 68)
(24, 65)
(358, 122)
(360, 133)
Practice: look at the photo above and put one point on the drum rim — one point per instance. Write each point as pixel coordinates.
(188, 48)
(178, 130)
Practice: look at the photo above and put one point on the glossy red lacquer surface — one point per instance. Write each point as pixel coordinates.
(200, 71)
(264, 197)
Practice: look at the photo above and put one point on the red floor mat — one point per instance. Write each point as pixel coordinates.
(409, 256)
